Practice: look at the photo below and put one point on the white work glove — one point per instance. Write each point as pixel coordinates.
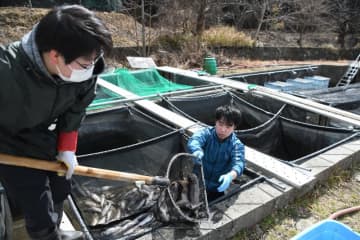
(225, 181)
(69, 159)
(198, 155)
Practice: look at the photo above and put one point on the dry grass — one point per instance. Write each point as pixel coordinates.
(226, 36)
(17, 21)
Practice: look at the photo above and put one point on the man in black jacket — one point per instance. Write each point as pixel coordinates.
(47, 81)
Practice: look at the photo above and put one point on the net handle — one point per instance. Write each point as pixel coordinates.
(172, 160)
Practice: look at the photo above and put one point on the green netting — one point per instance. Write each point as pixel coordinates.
(142, 82)
(103, 96)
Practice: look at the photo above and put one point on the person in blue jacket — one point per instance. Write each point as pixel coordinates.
(219, 151)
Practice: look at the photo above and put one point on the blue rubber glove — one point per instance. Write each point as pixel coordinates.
(225, 181)
(198, 155)
(69, 159)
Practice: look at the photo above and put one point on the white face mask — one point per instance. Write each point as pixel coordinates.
(77, 75)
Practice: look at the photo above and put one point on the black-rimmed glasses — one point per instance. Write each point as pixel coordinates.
(88, 66)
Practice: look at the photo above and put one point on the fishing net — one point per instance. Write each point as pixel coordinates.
(278, 136)
(128, 140)
(103, 97)
(185, 199)
(341, 97)
(142, 82)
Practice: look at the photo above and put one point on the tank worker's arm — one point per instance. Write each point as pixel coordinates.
(238, 166)
(196, 143)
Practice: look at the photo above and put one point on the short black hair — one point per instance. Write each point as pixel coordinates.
(73, 31)
(231, 115)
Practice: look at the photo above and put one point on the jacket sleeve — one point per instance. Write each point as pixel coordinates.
(238, 157)
(198, 140)
(72, 118)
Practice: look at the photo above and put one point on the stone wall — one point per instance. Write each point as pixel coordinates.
(291, 53)
(263, 53)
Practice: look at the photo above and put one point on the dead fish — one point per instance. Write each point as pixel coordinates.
(183, 199)
(81, 190)
(122, 204)
(115, 214)
(94, 220)
(194, 191)
(93, 210)
(106, 188)
(116, 229)
(140, 204)
(106, 209)
(89, 203)
(162, 210)
(110, 213)
(95, 197)
(130, 193)
(102, 201)
(135, 205)
(174, 190)
(102, 220)
(142, 222)
(125, 226)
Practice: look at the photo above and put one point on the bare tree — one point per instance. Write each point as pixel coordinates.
(142, 14)
(305, 16)
(345, 15)
(189, 16)
(261, 17)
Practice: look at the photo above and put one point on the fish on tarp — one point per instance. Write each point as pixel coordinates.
(128, 227)
(105, 207)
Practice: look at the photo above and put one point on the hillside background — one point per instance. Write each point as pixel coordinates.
(183, 32)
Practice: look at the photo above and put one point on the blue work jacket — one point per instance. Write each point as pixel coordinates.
(220, 157)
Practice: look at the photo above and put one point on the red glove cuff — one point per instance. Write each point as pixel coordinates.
(67, 141)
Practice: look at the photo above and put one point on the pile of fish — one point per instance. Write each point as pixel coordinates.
(112, 205)
(115, 213)
(131, 228)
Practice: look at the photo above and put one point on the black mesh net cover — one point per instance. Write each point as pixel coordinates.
(266, 131)
(345, 98)
(202, 108)
(192, 107)
(342, 97)
(273, 106)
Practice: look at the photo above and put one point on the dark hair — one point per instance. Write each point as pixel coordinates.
(229, 114)
(74, 31)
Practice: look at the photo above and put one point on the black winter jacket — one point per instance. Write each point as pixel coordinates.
(35, 107)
